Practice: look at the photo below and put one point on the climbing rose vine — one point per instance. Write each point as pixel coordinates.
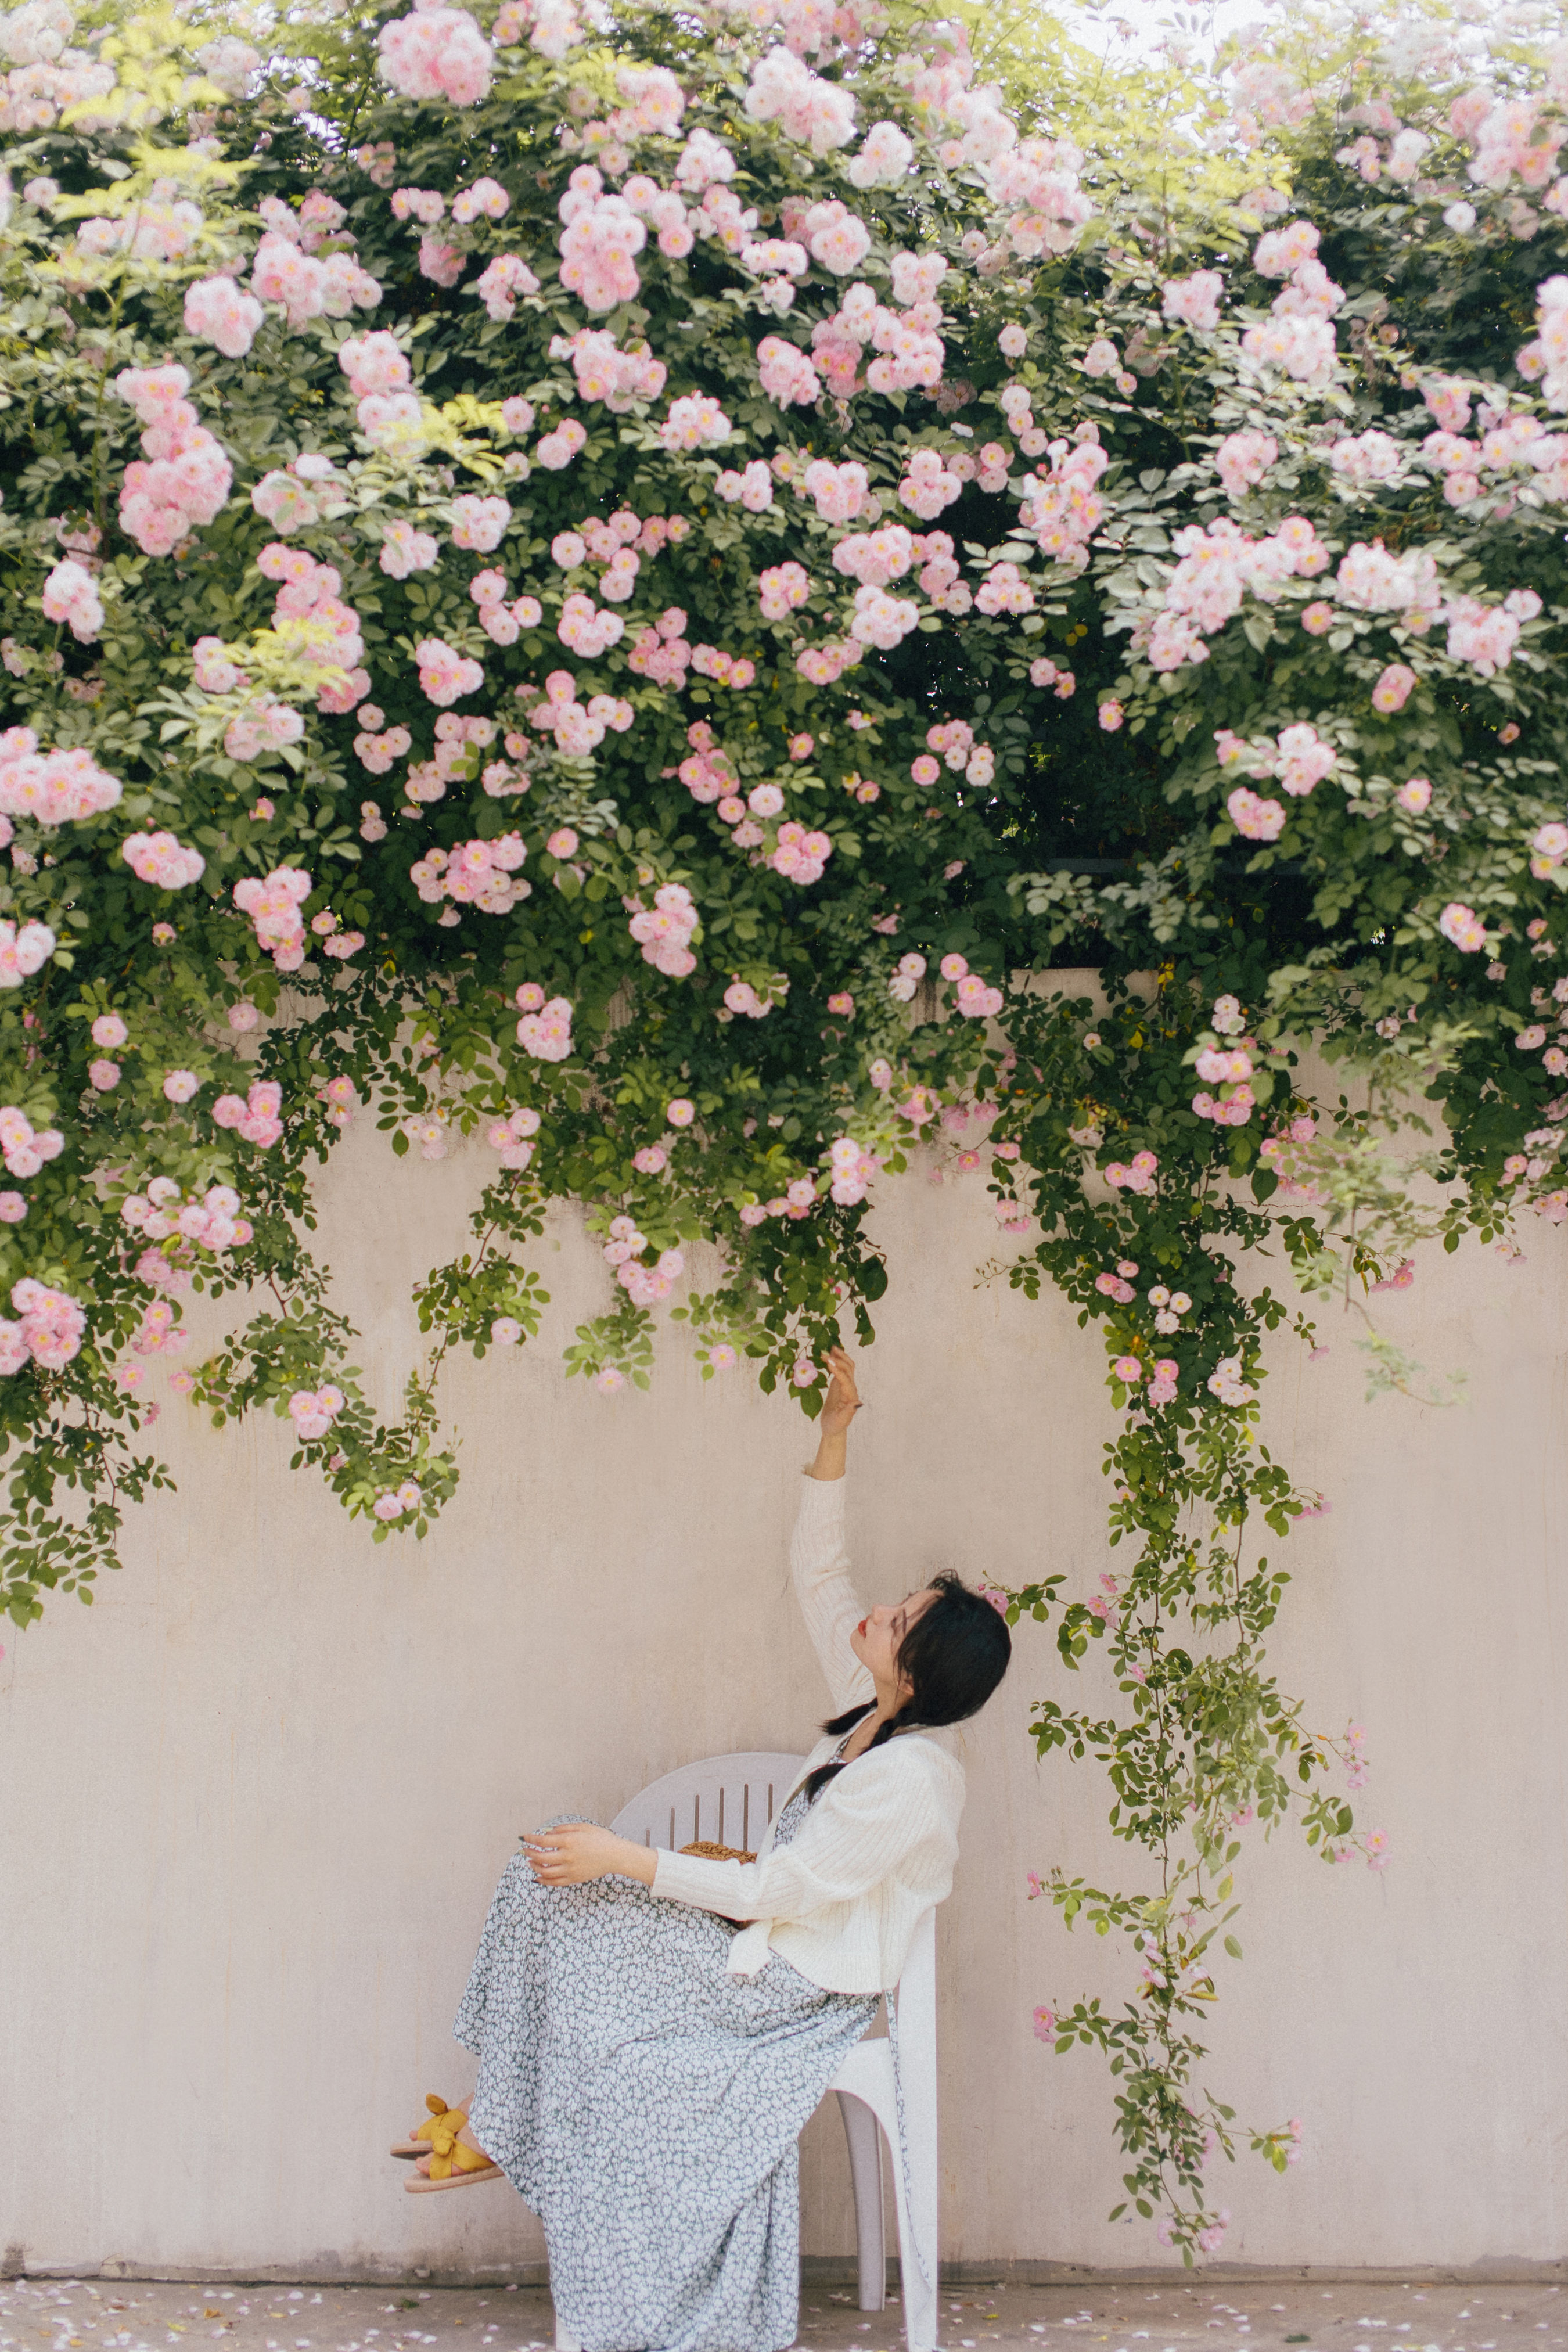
(611, 586)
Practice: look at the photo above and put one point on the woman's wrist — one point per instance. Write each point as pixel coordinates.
(636, 1861)
(832, 1455)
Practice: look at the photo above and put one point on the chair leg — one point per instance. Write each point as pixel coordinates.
(864, 2135)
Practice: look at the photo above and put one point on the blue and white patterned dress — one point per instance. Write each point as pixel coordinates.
(647, 2104)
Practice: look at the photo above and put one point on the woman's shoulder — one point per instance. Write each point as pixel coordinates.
(919, 1754)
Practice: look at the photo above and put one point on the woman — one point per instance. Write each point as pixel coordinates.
(654, 2028)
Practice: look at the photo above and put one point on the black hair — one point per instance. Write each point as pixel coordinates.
(953, 1656)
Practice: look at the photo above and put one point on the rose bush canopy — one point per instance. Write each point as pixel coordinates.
(627, 581)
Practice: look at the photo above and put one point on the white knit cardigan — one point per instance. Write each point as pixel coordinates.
(877, 1849)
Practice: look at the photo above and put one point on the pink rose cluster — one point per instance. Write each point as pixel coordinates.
(51, 787)
(551, 26)
(27, 1149)
(709, 774)
(1242, 459)
(158, 1334)
(1005, 590)
(725, 669)
(645, 1286)
(444, 673)
(164, 1213)
(838, 491)
(319, 629)
(797, 1200)
(219, 312)
(390, 415)
(255, 1115)
(664, 930)
(48, 1330)
(1218, 567)
(853, 1168)
(502, 281)
(545, 1028)
(662, 652)
(480, 524)
(273, 906)
(185, 479)
(436, 52)
(405, 549)
(906, 979)
(605, 372)
(1226, 1383)
(1300, 338)
(786, 373)
(1228, 1066)
(1298, 759)
(163, 860)
(1139, 1175)
(1063, 512)
(1486, 634)
(1462, 927)
(783, 589)
(314, 1411)
(976, 999)
(426, 205)
(266, 725)
(588, 628)
(556, 450)
(1162, 1389)
(953, 738)
(299, 495)
(1035, 181)
(512, 1137)
(741, 997)
(577, 727)
(695, 421)
(70, 595)
(1194, 301)
(285, 268)
(753, 490)
(799, 855)
(398, 1501)
(824, 665)
(25, 949)
(816, 113)
(502, 622)
(482, 874)
(600, 239)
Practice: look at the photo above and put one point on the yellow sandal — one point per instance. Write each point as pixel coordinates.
(419, 2140)
(452, 2165)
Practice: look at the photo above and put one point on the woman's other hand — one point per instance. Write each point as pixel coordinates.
(578, 1851)
(839, 1407)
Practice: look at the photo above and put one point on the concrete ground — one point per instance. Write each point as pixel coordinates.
(143, 2315)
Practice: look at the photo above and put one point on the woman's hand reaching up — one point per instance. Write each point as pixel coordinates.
(842, 1401)
(840, 1408)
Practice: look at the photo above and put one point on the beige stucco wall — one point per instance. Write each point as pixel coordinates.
(255, 1800)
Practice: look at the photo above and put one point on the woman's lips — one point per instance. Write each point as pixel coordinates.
(861, 1627)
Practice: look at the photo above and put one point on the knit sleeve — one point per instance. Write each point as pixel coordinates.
(829, 1603)
(877, 1818)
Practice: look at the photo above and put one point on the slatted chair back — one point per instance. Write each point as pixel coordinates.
(726, 1800)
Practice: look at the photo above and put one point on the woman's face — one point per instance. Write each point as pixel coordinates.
(878, 1636)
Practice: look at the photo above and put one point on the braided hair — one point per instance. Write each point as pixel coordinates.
(952, 1656)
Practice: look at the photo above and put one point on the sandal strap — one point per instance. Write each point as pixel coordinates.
(443, 2123)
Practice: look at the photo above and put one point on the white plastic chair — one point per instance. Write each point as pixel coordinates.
(731, 1800)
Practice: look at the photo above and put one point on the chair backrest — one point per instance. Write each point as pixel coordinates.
(728, 1800)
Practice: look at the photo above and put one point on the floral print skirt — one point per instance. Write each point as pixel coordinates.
(647, 2104)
